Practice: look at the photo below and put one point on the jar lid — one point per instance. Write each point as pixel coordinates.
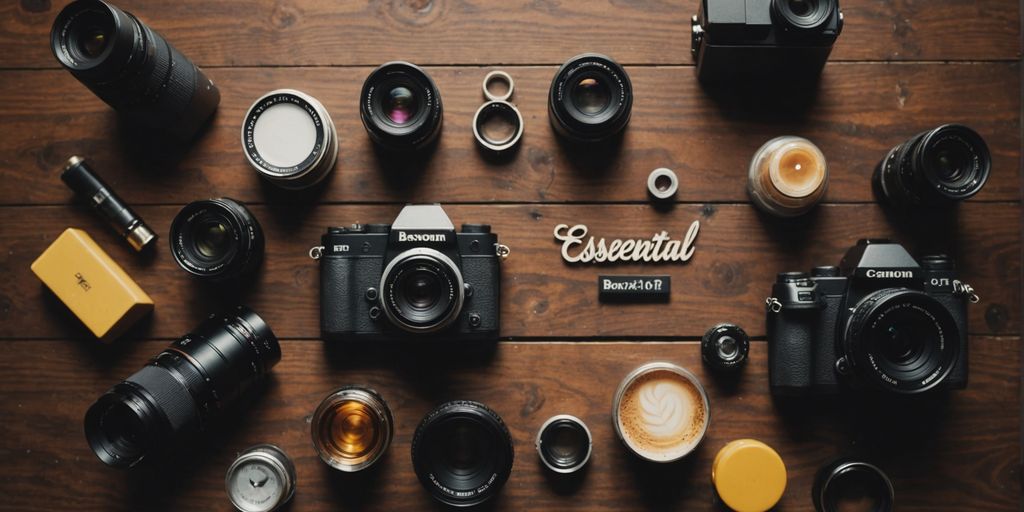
(749, 476)
(261, 479)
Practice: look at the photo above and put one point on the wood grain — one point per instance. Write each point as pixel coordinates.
(860, 112)
(950, 453)
(325, 32)
(737, 257)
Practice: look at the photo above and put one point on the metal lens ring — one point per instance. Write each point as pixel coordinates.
(495, 77)
(725, 346)
(852, 482)
(564, 443)
(498, 112)
(296, 146)
(439, 308)
(662, 183)
(902, 340)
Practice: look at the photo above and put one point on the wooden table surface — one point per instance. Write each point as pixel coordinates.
(900, 67)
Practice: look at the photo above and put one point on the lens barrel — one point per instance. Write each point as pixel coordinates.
(591, 98)
(901, 340)
(217, 240)
(401, 107)
(462, 453)
(935, 168)
(132, 68)
(183, 389)
(422, 290)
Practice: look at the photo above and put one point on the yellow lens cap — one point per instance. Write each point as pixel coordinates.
(749, 476)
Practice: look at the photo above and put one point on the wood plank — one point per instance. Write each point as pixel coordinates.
(738, 254)
(324, 32)
(860, 113)
(957, 452)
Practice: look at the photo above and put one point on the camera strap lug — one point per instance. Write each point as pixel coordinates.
(316, 252)
(963, 289)
(502, 251)
(773, 304)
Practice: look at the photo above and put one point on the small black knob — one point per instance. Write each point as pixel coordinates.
(825, 271)
(474, 320)
(476, 228)
(791, 277)
(378, 228)
(356, 228)
(371, 294)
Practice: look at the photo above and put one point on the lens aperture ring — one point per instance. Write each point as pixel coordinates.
(172, 396)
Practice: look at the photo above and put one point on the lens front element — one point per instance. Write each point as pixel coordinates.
(423, 290)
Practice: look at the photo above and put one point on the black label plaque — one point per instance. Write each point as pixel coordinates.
(634, 288)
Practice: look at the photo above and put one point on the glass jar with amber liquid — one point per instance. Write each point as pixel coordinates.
(352, 428)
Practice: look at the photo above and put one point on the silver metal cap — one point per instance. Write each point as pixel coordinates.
(262, 479)
(140, 236)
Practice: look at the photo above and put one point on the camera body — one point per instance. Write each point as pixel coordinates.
(736, 39)
(880, 318)
(416, 277)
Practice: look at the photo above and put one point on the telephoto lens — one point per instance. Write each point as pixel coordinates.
(591, 98)
(133, 69)
(401, 107)
(935, 168)
(182, 390)
(217, 240)
(462, 453)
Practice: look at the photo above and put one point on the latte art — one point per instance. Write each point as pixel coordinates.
(661, 414)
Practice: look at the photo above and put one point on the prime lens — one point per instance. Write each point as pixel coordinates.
(901, 340)
(183, 389)
(462, 453)
(216, 239)
(422, 290)
(132, 68)
(936, 168)
(803, 14)
(591, 98)
(401, 107)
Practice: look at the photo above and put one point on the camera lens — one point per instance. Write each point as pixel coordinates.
(803, 14)
(901, 340)
(422, 290)
(938, 167)
(725, 347)
(401, 107)
(564, 444)
(181, 391)
(462, 453)
(850, 485)
(591, 98)
(216, 239)
(352, 428)
(132, 68)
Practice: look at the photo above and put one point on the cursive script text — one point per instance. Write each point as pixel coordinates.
(660, 248)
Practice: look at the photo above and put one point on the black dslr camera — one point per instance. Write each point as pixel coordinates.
(879, 319)
(417, 276)
(734, 39)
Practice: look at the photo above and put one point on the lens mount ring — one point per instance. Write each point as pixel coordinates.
(444, 266)
(574, 423)
(507, 111)
(655, 180)
(498, 76)
(919, 361)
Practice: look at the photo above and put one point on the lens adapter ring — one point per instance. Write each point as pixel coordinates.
(494, 76)
(498, 108)
(656, 190)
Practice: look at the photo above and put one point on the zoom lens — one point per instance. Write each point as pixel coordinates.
(591, 98)
(901, 340)
(132, 68)
(183, 389)
(462, 453)
(938, 167)
(422, 290)
(217, 239)
(803, 14)
(401, 107)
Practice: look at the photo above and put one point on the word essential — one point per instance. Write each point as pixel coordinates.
(660, 248)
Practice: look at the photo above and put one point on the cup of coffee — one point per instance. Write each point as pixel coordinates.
(788, 176)
(661, 412)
